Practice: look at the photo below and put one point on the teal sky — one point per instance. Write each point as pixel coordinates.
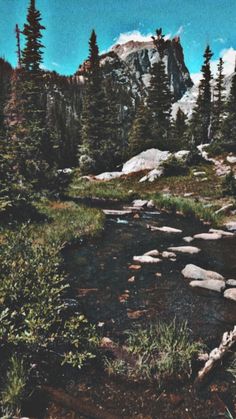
(69, 23)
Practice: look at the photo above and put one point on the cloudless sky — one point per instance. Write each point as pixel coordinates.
(69, 24)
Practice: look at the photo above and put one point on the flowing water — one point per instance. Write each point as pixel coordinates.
(100, 271)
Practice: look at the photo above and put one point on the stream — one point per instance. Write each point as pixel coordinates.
(117, 297)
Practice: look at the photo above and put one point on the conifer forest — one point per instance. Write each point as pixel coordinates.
(117, 211)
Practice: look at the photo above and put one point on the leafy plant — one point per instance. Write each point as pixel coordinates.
(14, 388)
(174, 167)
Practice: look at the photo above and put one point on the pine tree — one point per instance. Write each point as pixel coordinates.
(179, 130)
(140, 136)
(201, 119)
(26, 112)
(229, 124)
(94, 117)
(159, 97)
(219, 103)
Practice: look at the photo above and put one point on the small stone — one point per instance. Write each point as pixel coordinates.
(131, 279)
(222, 232)
(164, 229)
(150, 204)
(230, 294)
(224, 209)
(209, 284)
(231, 226)
(188, 239)
(135, 267)
(158, 274)
(139, 203)
(231, 283)
(185, 249)
(136, 216)
(208, 236)
(146, 259)
(166, 254)
(154, 252)
(135, 315)
(107, 343)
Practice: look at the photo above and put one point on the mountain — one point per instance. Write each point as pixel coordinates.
(130, 64)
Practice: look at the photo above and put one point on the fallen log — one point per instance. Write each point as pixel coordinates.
(217, 355)
(79, 405)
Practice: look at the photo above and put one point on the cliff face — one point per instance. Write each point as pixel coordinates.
(130, 64)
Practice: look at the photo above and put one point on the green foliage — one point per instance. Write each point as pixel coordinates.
(201, 119)
(179, 132)
(232, 367)
(14, 389)
(159, 352)
(229, 184)
(175, 167)
(33, 313)
(140, 137)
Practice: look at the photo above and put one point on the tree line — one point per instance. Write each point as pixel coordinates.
(48, 121)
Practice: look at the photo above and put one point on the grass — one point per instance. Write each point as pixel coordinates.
(159, 352)
(14, 388)
(66, 222)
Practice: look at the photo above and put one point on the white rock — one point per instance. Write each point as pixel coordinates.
(209, 284)
(231, 159)
(116, 212)
(146, 259)
(231, 283)
(231, 225)
(199, 173)
(222, 232)
(230, 294)
(154, 252)
(195, 272)
(147, 160)
(139, 203)
(185, 249)
(208, 236)
(151, 176)
(188, 239)
(182, 154)
(109, 175)
(168, 255)
(165, 229)
(150, 204)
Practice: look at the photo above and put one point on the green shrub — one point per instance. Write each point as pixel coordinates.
(14, 388)
(33, 314)
(174, 167)
(159, 352)
(229, 184)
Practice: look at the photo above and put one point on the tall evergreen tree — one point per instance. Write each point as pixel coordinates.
(26, 105)
(159, 96)
(140, 136)
(201, 119)
(179, 130)
(94, 114)
(229, 124)
(219, 103)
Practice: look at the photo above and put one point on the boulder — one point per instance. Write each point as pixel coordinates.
(231, 226)
(230, 294)
(208, 236)
(153, 175)
(195, 272)
(231, 283)
(209, 284)
(231, 159)
(185, 249)
(147, 160)
(146, 259)
(165, 229)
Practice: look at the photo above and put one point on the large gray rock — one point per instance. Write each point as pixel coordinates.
(185, 249)
(209, 284)
(195, 272)
(147, 160)
(230, 294)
